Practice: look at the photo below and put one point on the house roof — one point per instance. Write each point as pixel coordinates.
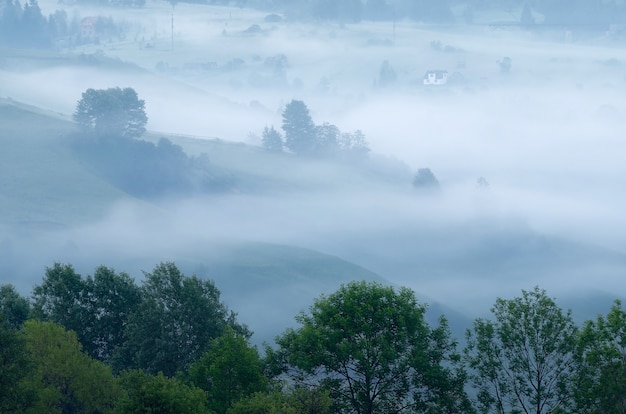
(439, 74)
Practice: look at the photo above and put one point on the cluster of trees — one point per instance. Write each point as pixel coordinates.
(25, 26)
(559, 12)
(110, 121)
(303, 137)
(351, 11)
(102, 344)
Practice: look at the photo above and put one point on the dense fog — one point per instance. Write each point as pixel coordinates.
(545, 133)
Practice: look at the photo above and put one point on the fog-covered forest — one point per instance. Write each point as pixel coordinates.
(347, 206)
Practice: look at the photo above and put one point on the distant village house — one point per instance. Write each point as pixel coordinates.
(88, 26)
(436, 77)
(93, 26)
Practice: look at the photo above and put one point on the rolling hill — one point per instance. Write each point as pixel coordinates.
(287, 231)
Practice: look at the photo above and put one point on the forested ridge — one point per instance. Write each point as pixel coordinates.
(106, 344)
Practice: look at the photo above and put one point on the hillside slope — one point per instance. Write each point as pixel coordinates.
(42, 183)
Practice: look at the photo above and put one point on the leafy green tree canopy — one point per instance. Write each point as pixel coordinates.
(296, 400)
(97, 308)
(66, 379)
(13, 306)
(175, 323)
(145, 393)
(600, 381)
(111, 113)
(372, 348)
(523, 359)
(230, 370)
(60, 297)
(110, 299)
(16, 365)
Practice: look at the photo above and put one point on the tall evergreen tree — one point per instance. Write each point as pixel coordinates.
(299, 128)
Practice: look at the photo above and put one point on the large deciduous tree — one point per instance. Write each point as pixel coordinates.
(110, 300)
(372, 348)
(97, 308)
(175, 323)
(111, 113)
(523, 359)
(60, 298)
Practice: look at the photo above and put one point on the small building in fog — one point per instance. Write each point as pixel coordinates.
(89, 26)
(436, 77)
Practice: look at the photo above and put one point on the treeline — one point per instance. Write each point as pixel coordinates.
(552, 12)
(25, 26)
(103, 344)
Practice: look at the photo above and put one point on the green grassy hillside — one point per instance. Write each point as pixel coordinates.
(42, 183)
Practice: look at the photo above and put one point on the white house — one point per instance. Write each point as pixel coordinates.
(436, 77)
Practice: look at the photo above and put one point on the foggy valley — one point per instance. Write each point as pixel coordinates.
(312, 206)
(544, 131)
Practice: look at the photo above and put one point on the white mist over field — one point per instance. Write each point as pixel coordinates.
(548, 136)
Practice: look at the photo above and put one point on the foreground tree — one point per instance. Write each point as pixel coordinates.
(230, 370)
(13, 306)
(144, 393)
(110, 300)
(522, 361)
(372, 348)
(60, 298)
(291, 401)
(175, 323)
(15, 367)
(601, 374)
(97, 308)
(66, 380)
(111, 113)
